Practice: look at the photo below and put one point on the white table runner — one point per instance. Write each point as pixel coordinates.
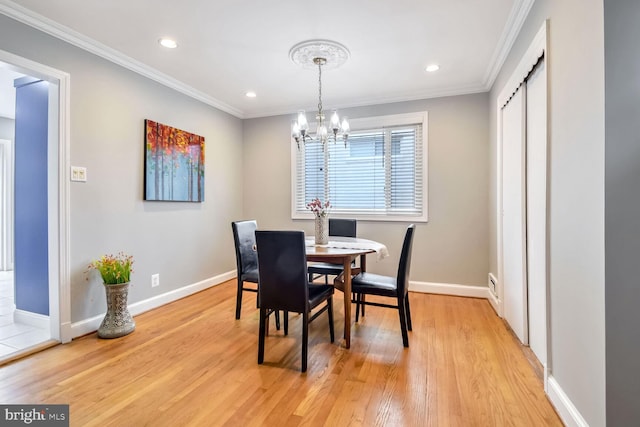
(352, 243)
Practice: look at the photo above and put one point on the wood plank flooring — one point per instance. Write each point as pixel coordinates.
(190, 363)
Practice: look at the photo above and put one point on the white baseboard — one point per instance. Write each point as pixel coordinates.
(90, 325)
(36, 320)
(450, 289)
(495, 302)
(568, 413)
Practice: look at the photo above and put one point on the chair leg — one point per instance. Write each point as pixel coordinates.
(305, 340)
(403, 322)
(330, 312)
(406, 304)
(263, 321)
(285, 314)
(357, 298)
(362, 305)
(239, 299)
(277, 314)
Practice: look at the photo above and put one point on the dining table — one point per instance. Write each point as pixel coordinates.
(343, 251)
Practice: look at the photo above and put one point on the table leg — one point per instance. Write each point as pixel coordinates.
(347, 301)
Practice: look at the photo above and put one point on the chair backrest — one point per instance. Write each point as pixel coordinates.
(244, 239)
(282, 267)
(404, 266)
(342, 227)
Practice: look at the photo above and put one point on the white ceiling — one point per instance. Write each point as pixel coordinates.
(229, 47)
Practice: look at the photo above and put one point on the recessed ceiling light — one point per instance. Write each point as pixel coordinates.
(168, 43)
(250, 94)
(433, 67)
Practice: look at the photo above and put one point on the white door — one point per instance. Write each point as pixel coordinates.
(513, 214)
(536, 143)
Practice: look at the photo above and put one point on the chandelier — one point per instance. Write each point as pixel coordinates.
(327, 54)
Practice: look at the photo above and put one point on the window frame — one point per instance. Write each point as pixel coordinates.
(363, 124)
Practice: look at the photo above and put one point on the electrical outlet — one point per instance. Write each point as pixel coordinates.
(155, 280)
(78, 173)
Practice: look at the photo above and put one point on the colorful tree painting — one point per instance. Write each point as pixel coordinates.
(174, 165)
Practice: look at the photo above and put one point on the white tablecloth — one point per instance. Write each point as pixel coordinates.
(352, 243)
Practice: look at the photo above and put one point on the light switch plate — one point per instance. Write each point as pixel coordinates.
(78, 173)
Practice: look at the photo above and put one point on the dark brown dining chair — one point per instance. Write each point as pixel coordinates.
(387, 286)
(282, 265)
(244, 239)
(337, 227)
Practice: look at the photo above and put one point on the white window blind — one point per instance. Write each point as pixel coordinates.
(380, 173)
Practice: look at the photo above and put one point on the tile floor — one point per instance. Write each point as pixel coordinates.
(14, 337)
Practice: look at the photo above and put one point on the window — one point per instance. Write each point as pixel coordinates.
(379, 174)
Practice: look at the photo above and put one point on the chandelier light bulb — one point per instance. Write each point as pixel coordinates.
(321, 133)
(335, 120)
(302, 121)
(345, 126)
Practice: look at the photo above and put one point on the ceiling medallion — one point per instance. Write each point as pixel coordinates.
(304, 53)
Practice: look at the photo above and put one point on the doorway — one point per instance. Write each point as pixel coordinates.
(32, 329)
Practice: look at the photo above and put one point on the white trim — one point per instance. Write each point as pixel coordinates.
(75, 38)
(537, 47)
(514, 24)
(59, 285)
(453, 289)
(90, 325)
(567, 411)
(28, 318)
(495, 303)
(6, 204)
(493, 298)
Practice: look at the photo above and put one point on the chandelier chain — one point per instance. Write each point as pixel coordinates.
(320, 91)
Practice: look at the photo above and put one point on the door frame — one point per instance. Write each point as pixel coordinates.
(537, 47)
(59, 188)
(6, 205)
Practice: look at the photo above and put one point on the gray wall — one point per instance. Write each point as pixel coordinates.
(7, 128)
(622, 209)
(575, 63)
(453, 246)
(183, 242)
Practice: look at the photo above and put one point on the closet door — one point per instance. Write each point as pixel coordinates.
(513, 214)
(536, 119)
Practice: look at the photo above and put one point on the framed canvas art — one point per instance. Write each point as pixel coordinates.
(174, 164)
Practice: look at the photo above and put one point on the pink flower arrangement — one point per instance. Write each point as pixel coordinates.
(318, 208)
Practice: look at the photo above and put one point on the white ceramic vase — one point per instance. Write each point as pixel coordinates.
(322, 229)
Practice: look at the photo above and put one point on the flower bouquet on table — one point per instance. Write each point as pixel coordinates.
(321, 212)
(318, 208)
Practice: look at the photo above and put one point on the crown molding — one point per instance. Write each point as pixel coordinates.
(48, 26)
(514, 24)
(364, 102)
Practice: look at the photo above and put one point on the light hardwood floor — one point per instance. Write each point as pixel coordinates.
(190, 363)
